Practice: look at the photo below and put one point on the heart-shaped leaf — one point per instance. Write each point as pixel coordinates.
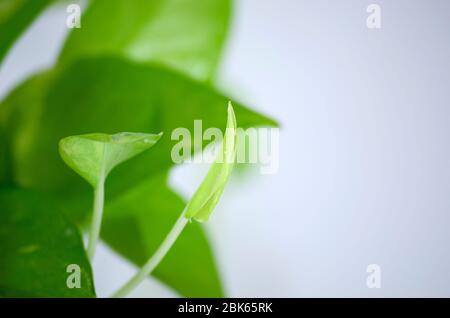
(208, 194)
(93, 156)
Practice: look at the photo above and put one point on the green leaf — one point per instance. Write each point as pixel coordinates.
(3, 155)
(18, 120)
(136, 223)
(209, 192)
(187, 35)
(37, 244)
(15, 17)
(93, 156)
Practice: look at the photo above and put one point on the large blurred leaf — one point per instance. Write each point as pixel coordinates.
(15, 16)
(36, 246)
(135, 225)
(18, 120)
(184, 34)
(107, 95)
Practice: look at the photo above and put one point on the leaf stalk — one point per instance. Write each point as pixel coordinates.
(154, 260)
(99, 198)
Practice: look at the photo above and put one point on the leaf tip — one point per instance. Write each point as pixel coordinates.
(231, 115)
(231, 109)
(153, 138)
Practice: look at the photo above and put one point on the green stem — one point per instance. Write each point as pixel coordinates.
(154, 260)
(94, 233)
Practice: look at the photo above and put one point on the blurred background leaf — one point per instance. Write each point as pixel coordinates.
(187, 35)
(37, 243)
(4, 171)
(137, 222)
(95, 95)
(15, 17)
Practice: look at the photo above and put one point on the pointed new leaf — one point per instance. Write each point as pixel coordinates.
(93, 156)
(208, 194)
